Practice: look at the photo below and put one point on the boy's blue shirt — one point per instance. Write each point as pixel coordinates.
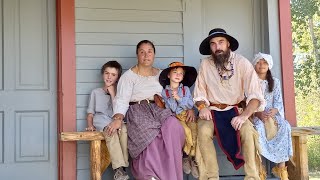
(177, 106)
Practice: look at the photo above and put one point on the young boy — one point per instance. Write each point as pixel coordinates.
(99, 117)
(176, 80)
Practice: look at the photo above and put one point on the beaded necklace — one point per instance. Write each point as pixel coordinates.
(228, 76)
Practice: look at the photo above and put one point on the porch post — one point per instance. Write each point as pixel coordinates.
(66, 71)
(287, 61)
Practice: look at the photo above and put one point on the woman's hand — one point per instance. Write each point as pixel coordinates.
(190, 116)
(113, 127)
(205, 114)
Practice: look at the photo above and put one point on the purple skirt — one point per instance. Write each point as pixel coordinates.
(162, 158)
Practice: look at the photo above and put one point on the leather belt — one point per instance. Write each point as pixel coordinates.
(145, 101)
(222, 106)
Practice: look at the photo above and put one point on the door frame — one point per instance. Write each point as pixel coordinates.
(66, 73)
(66, 85)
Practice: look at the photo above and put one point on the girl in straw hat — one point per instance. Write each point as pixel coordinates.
(176, 80)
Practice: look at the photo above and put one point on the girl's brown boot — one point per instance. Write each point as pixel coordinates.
(281, 173)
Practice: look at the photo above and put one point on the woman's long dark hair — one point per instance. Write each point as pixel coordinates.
(270, 80)
(145, 42)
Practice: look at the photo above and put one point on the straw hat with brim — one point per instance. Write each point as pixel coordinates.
(190, 74)
(217, 32)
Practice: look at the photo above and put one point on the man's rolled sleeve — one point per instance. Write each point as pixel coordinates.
(200, 88)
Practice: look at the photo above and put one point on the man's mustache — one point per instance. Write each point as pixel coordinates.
(218, 51)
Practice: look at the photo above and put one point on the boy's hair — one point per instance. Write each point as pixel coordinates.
(112, 64)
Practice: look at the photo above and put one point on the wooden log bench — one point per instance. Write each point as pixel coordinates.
(298, 165)
(100, 160)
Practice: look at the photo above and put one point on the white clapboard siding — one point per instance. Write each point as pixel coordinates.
(86, 88)
(82, 162)
(128, 38)
(128, 27)
(82, 100)
(110, 30)
(81, 112)
(81, 125)
(127, 63)
(83, 149)
(149, 5)
(83, 174)
(127, 15)
(125, 51)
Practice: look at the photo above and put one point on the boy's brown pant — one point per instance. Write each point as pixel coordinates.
(250, 148)
(190, 129)
(117, 146)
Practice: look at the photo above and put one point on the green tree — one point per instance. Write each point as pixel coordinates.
(306, 45)
(306, 33)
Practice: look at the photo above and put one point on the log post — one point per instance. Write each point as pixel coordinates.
(298, 169)
(95, 160)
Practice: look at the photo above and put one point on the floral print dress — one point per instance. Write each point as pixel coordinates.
(279, 148)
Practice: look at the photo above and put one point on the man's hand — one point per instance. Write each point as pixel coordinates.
(237, 122)
(190, 116)
(205, 114)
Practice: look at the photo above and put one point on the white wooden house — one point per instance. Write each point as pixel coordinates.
(52, 50)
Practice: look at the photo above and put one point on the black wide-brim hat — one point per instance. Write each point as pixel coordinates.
(204, 47)
(190, 74)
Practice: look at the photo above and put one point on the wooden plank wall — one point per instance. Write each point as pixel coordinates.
(109, 30)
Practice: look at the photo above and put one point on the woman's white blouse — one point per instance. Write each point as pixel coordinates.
(133, 87)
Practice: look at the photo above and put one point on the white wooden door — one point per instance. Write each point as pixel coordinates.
(28, 128)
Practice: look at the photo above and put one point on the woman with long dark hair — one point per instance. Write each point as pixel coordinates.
(155, 137)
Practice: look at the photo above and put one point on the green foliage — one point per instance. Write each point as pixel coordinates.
(306, 46)
(306, 75)
(303, 9)
(308, 114)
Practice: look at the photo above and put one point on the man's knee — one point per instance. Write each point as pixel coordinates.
(205, 129)
(247, 132)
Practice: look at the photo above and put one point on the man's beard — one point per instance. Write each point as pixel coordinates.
(221, 59)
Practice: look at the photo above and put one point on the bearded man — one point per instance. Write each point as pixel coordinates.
(225, 79)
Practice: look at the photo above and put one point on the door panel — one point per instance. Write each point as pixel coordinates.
(28, 124)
